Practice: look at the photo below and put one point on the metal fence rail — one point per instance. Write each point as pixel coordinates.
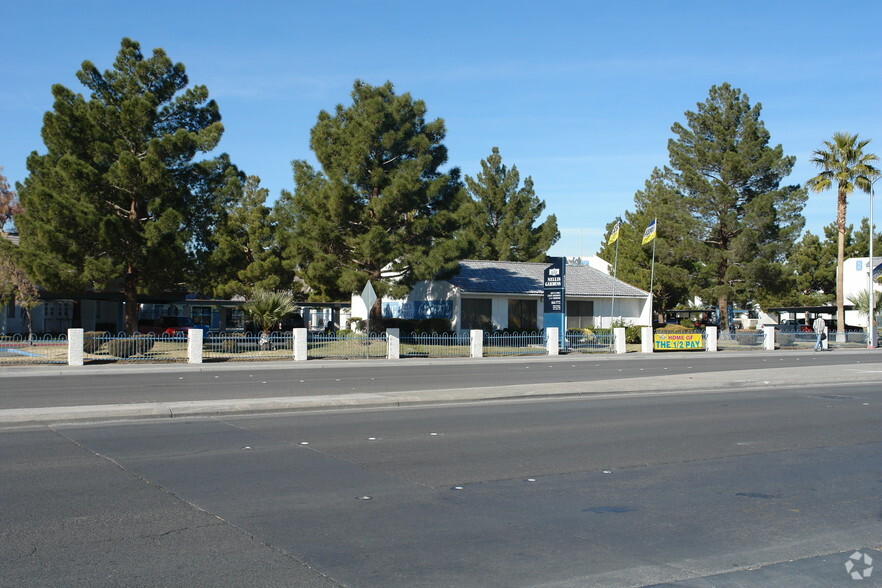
(435, 345)
(741, 340)
(847, 340)
(43, 349)
(498, 344)
(103, 346)
(348, 346)
(248, 346)
(601, 341)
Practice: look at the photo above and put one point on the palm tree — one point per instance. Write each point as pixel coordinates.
(844, 165)
(861, 301)
(267, 308)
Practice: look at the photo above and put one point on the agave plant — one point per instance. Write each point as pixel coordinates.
(268, 308)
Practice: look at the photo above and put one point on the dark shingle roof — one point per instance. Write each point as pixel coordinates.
(512, 277)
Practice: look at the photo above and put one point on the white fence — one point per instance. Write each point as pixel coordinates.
(78, 348)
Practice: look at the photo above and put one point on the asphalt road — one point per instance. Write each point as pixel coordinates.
(34, 387)
(736, 488)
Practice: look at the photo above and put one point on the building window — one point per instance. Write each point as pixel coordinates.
(477, 313)
(234, 318)
(201, 315)
(522, 315)
(580, 314)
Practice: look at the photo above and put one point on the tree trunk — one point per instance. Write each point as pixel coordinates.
(130, 296)
(723, 314)
(26, 315)
(376, 317)
(840, 266)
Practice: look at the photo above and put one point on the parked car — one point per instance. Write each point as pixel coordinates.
(794, 326)
(170, 326)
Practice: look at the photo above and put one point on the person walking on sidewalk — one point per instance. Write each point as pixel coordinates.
(818, 326)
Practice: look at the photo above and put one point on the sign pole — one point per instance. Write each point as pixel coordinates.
(368, 296)
(615, 279)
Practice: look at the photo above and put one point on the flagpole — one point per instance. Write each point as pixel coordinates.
(651, 233)
(615, 274)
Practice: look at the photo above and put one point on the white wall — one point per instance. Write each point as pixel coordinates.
(635, 311)
(855, 278)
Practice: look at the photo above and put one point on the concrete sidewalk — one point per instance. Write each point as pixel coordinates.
(771, 379)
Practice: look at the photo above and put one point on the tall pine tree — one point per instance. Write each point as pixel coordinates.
(117, 199)
(502, 225)
(729, 178)
(380, 209)
(246, 253)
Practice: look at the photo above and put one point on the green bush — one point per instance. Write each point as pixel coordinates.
(130, 346)
(432, 326)
(675, 329)
(633, 334)
(785, 339)
(92, 341)
(687, 323)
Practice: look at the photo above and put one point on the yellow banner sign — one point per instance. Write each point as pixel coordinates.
(677, 341)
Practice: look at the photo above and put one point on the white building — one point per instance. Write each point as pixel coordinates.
(855, 279)
(493, 295)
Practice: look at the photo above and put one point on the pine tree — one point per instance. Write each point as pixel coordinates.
(380, 209)
(246, 255)
(502, 224)
(730, 181)
(117, 199)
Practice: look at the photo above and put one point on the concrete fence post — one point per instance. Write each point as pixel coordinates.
(477, 342)
(552, 340)
(393, 343)
(646, 342)
(75, 347)
(711, 333)
(620, 340)
(300, 345)
(769, 339)
(195, 339)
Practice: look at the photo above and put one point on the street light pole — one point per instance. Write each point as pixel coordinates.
(871, 343)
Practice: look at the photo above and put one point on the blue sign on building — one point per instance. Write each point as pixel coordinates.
(418, 309)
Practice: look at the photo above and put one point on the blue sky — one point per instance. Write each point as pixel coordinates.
(579, 95)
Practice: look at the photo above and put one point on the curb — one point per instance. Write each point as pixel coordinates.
(768, 379)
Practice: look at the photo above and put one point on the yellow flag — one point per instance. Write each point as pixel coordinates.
(614, 235)
(649, 233)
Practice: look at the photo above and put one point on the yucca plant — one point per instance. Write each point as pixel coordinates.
(268, 308)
